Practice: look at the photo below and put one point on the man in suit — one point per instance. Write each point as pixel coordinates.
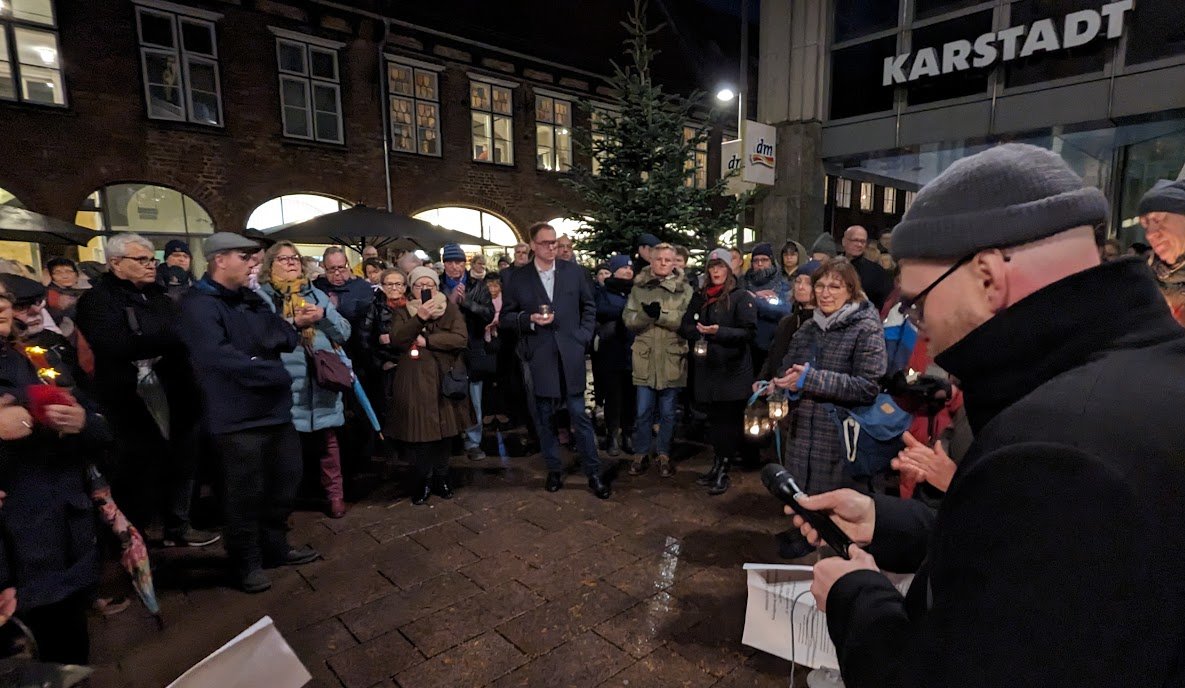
(553, 345)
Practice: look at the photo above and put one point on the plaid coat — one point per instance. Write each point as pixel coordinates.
(847, 363)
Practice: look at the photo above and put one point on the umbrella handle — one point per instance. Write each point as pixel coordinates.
(33, 647)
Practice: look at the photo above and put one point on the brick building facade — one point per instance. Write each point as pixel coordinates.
(57, 155)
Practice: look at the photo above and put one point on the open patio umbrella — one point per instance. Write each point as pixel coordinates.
(361, 226)
(18, 224)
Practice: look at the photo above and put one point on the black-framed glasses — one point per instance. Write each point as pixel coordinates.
(914, 309)
(144, 261)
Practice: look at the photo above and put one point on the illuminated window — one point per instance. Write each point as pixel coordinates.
(553, 133)
(477, 223)
(179, 62)
(890, 200)
(598, 119)
(30, 63)
(310, 87)
(286, 210)
(843, 193)
(698, 160)
(492, 121)
(866, 191)
(415, 107)
(909, 196)
(155, 212)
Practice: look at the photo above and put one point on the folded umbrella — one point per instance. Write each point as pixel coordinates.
(133, 552)
(152, 393)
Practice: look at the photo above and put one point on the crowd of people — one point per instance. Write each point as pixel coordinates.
(269, 360)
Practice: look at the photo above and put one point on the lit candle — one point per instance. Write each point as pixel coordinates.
(701, 347)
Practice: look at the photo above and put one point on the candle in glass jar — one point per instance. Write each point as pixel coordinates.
(701, 347)
(415, 352)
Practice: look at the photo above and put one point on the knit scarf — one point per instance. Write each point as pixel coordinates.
(438, 299)
(1166, 273)
(826, 322)
(290, 300)
(396, 304)
(713, 292)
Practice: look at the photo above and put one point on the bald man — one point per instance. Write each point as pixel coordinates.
(873, 278)
(1056, 556)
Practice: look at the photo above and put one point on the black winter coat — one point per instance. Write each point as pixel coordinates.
(726, 373)
(376, 323)
(1056, 557)
(478, 309)
(235, 340)
(48, 549)
(613, 346)
(124, 324)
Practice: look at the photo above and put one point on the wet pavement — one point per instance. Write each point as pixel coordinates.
(503, 585)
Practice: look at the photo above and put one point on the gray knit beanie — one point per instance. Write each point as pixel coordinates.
(1164, 197)
(1005, 196)
(824, 244)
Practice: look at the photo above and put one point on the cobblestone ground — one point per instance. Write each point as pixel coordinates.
(504, 585)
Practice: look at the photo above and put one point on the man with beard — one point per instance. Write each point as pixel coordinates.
(771, 292)
(31, 320)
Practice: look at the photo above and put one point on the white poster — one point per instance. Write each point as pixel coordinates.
(761, 153)
(259, 656)
(732, 162)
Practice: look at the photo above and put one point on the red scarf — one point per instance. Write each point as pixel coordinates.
(714, 292)
(396, 304)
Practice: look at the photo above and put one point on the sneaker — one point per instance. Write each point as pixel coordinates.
(475, 453)
(255, 581)
(639, 465)
(295, 557)
(110, 606)
(665, 468)
(191, 537)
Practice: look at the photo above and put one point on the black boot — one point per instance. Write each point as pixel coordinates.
(720, 485)
(422, 493)
(441, 487)
(710, 477)
(613, 444)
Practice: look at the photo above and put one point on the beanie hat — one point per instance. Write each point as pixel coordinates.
(824, 244)
(618, 262)
(648, 239)
(451, 252)
(1164, 197)
(422, 272)
(1005, 196)
(763, 249)
(721, 254)
(176, 246)
(809, 269)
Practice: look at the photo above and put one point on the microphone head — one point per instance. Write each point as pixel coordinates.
(771, 475)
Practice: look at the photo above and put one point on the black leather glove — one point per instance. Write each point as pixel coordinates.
(652, 309)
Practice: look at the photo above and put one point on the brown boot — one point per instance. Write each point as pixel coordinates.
(665, 468)
(639, 465)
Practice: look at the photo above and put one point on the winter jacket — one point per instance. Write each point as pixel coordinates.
(726, 373)
(313, 407)
(876, 282)
(124, 324)
(376, 323)
(787, 328)
(477, 307)
(1055, 558)
(174, 280)
(660, 349)
(352, 299)
(419, 412)
(48, 547)
(235, 341)
(612, 353)
(803, 259)
(847, 362)
(768, 313)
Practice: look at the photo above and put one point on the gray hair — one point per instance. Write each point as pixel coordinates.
(118, 245)
(332, 250)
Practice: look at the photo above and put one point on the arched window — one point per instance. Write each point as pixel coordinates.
(157, 213)
(24, 252)
(285, 210)
(475, 222)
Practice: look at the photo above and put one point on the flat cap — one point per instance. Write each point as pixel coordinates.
(226, 241)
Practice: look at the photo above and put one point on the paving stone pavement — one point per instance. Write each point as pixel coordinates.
(503, 585)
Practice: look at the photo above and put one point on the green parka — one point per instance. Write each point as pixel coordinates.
(659, 351)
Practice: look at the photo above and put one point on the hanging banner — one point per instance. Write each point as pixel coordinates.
(761, 153)
(732, 163)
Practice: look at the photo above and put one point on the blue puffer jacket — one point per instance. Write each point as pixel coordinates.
(313, 408)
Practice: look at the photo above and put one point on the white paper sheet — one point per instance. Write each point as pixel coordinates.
(781, 617)
(259, 656)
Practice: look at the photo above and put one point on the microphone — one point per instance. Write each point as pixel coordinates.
(781, 484)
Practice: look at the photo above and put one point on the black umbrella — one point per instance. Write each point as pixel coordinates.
(361, 226)
(18, 224)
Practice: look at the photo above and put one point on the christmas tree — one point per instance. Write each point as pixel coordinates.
(644, 166)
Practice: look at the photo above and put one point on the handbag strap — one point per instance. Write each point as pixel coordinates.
(851, 437)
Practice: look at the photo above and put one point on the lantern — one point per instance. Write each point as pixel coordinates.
(756, 422)
(415, 352)
(779, 407)
(701, 348)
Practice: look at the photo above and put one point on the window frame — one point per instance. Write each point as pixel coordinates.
(843, 192)
(889, 201)
(417, 68)
(9, 23)
(184, 57)
(555, 127)
(699, 180)
(310, 82)
(867, 193)
(492, 117)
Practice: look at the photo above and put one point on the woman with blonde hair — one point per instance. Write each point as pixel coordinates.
(317, 412)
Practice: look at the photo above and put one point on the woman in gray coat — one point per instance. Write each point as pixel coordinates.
(316, 412)
(838, 357)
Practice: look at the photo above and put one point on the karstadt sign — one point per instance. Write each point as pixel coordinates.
(1077, 28)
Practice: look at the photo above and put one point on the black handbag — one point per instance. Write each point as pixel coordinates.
(454, 382)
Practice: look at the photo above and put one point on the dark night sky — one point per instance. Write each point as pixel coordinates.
(699, 46)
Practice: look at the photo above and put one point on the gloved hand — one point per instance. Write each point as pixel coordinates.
(652, 309)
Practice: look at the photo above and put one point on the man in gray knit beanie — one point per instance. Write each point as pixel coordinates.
(1070, 371)
(1162, 213)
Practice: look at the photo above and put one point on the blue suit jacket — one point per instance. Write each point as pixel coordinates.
(555, 352)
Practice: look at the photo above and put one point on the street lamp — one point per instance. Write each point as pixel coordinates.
(725, 95)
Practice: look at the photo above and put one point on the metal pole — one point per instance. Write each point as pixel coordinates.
(386, 106)
(742, 93)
